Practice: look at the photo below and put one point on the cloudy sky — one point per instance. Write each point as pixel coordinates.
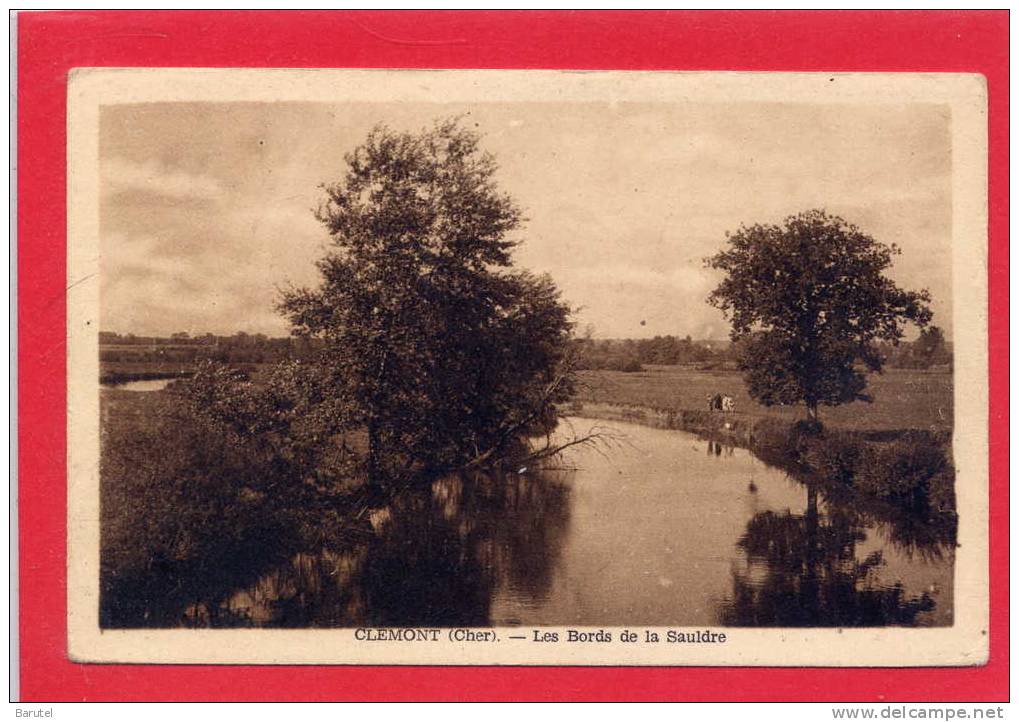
(206, 209)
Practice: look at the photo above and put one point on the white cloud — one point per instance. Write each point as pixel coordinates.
(144, 291)
(120, 174)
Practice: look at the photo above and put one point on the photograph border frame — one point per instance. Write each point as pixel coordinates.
(50, 44)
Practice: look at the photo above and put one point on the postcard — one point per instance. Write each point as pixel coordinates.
(527, 367)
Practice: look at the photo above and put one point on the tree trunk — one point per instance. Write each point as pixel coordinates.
(812, 414)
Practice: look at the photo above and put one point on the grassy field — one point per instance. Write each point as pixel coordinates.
(903, 399)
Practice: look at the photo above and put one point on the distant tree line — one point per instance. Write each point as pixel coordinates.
(930, 350)
(181, 347)
(632, 354)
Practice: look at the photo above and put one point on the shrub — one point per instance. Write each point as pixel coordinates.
(170, 490)
(913, 469)
(777, 442)
(634, 414)
(834, 456)
(628, 365)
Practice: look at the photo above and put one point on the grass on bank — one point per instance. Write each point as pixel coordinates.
(903, 399)
(896, 449)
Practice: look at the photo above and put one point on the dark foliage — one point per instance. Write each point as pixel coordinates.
(185, 510)
(432, 342)
(631, 354)
(914, 470)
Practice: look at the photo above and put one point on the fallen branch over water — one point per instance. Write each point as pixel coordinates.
(599, 438)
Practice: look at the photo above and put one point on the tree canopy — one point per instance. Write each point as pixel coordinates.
(808, 301)
(439, 348)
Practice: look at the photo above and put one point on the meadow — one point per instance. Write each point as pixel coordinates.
(903, 398)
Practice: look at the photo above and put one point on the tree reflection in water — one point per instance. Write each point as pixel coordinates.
(504, 549)
(803, 570)
(436, 557)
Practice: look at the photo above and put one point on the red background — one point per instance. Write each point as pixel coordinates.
(49, 44)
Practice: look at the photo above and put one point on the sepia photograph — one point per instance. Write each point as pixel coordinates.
(527, 367)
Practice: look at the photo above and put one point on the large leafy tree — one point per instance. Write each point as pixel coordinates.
(809, 302)
(442, 351)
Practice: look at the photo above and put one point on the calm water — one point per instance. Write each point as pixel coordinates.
(144, 385)
(665, 529)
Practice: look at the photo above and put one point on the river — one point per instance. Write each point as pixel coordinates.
(661, 528)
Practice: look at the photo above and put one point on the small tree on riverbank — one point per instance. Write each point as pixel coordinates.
(808, 302)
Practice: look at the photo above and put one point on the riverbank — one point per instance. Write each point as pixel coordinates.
(903, 398)
(908, 468)
(113, 378)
